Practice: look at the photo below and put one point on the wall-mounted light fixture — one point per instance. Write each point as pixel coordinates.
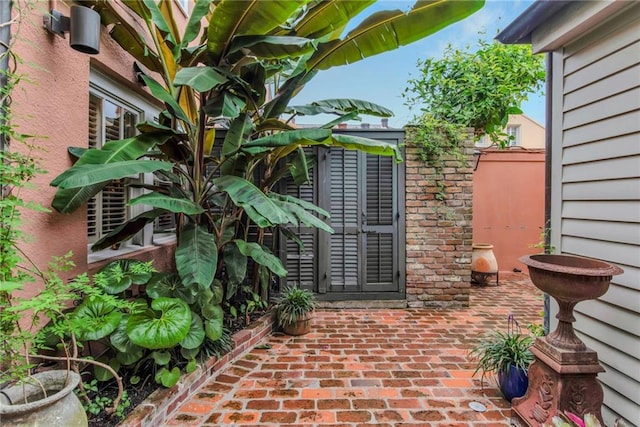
(476, 159)
(83, 27)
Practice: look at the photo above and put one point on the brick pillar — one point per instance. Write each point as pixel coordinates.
(439, 232)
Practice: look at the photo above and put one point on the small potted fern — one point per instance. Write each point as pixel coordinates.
(295, 310)
(508, 356)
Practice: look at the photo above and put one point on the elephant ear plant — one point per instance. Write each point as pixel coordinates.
(236, 67)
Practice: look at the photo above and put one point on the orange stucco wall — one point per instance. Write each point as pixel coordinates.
(54, 106)
(508, 204)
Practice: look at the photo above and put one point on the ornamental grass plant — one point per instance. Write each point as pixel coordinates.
(294, 304)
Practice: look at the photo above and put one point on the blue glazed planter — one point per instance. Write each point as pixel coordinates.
(513, 382)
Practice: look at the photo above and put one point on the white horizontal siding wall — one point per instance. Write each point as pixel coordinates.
(597, 177)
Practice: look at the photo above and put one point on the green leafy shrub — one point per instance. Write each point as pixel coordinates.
(477, 87)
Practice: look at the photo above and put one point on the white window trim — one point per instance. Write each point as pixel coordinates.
(183, 5)
(517, 139)
(103, 86)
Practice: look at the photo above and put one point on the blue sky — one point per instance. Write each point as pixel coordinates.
(383, 78)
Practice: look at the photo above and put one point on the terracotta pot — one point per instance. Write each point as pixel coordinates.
(483, 259)
(301, 327)
(25, 405)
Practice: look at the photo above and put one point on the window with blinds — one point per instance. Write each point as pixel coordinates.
(167, 221)
(108, 121)
(513, 133)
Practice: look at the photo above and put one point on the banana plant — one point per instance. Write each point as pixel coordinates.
(237, 65)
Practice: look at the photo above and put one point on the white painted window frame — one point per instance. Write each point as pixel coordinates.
(183, 5)
(104, 87)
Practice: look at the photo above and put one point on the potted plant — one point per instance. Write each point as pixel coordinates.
(295, 310)
(508, 356)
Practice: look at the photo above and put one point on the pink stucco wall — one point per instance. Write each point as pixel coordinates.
(508, 204)
(54, 107)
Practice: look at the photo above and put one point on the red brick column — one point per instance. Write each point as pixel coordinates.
(438, 228)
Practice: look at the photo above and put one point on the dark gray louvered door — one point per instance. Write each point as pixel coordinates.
(364, 257)
(379, 225)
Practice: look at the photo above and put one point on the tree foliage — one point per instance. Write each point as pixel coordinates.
(477, 86)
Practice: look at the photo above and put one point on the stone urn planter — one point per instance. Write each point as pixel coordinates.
(26, 405)
(563, 375)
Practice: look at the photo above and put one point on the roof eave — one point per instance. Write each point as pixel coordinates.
(519, 31)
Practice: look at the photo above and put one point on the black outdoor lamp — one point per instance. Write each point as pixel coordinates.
(476, 159)
(83, 27)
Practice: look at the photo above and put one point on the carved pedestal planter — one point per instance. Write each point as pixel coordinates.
(563, 375)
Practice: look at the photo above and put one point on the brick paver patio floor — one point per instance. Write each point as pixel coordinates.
(390, 367)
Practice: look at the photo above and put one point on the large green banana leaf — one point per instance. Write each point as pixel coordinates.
(390, 29)
(201, 79)
(340, 106)
(236, 267)
(191, 31)
(370, 146)
(262, 256)
(299, 167)
(68, 200)
(255, 203)
(302, 136)
(90, 174)
(196, 256)
(273, 47)
(127, 230)
(329, 18)
(161, 93)
(172, 204)
(232, 18)
(303, 216)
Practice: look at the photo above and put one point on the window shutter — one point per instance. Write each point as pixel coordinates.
(114, 206)
(301, 262)
(167, 221)
(92, 142)
(345, 217)
(379, 221)
(379, 190)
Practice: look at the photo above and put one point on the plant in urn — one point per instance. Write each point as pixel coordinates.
(563, 375)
